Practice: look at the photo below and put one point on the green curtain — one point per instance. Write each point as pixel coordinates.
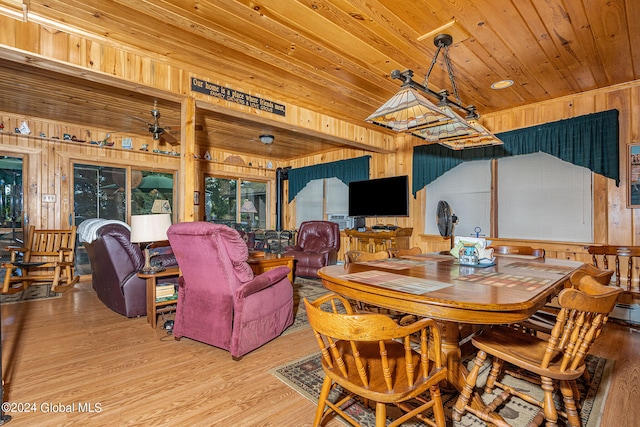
(356, 169)
(591, 141)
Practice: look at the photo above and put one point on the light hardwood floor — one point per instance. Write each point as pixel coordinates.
(73, 350)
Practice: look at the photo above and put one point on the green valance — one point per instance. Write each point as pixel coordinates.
(356, 169)
(591, 141)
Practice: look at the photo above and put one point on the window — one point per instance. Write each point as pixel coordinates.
(322, 197)
(152, 192)
(543, 197)
(99, 192)
(11, 210)
(467, 189)
(231, 201)
(539, 197)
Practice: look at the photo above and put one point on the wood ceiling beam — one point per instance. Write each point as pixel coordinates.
(293, 128)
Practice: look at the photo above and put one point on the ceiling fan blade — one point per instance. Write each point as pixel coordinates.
(167, 137)
(146, 122)
(178, 127)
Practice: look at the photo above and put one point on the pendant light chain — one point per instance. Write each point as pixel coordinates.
(447, 62)
(433, 62)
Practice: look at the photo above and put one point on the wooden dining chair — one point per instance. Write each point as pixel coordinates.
(543, 320)
(46, 258)
(371, 356)
(517, 250)
(623, 260)
(601, 276)
(362, 256)
(558, 359)
(396, 252)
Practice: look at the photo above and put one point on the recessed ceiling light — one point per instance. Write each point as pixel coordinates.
(266, 139)
(502, 84)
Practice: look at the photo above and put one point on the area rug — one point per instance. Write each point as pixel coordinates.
(33, 292)
(304, 288)
(306, 376)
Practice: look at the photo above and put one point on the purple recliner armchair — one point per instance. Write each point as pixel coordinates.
(220, 302)
(317, 246)
(115, 263)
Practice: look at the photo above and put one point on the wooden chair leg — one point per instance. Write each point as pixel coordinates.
(496, 369)
(470, 382)
(322, 399)
(569, 403)
(381, 414)
(56, 278)
(69, 283)
(7, 280)
(576, 393)
(9, 287)
(438, 409)
(550, 412)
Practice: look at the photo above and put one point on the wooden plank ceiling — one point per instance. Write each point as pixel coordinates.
(330, 56)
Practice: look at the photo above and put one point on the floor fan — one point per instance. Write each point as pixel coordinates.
(446, 220)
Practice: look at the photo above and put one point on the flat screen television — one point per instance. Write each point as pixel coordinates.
(379, 197)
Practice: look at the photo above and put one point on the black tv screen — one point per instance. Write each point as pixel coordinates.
(379, 197)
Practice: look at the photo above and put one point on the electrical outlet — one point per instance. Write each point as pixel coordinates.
(48, 198)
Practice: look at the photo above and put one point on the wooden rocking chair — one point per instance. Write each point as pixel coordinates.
(46, 258)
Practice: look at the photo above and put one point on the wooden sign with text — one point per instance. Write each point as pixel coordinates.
(236, 96)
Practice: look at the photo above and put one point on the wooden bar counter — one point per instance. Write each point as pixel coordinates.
(378, 240)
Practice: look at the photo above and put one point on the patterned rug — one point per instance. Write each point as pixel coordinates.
(303, 287)
(305, 376)
(33, 292)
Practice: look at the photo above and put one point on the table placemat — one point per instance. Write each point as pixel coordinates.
(506, 280)
(390, 263)
(407, 261)
(542, 267)
(397, 282)
(429, 256)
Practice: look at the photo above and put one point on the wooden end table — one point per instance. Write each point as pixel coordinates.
(152, 304)
(260, 264)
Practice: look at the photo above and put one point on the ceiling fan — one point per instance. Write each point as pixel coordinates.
(160, 133)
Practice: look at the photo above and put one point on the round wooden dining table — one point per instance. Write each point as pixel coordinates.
(437, 286)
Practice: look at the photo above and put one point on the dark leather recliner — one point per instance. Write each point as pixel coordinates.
(317, 246)
(115, 262)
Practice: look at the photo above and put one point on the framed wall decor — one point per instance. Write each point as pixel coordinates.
(633, 182)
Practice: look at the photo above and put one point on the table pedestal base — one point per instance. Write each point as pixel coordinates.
(456, 371)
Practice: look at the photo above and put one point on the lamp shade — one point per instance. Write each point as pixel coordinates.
(248, 207)
(161, 206)
(149, 228)
(407, 110)
(458, 133)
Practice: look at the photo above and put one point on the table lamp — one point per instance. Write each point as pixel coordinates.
(149, 229)
(250, 208)
(161, 206)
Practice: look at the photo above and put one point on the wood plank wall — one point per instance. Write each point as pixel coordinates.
(49, 162)
(614, 223)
